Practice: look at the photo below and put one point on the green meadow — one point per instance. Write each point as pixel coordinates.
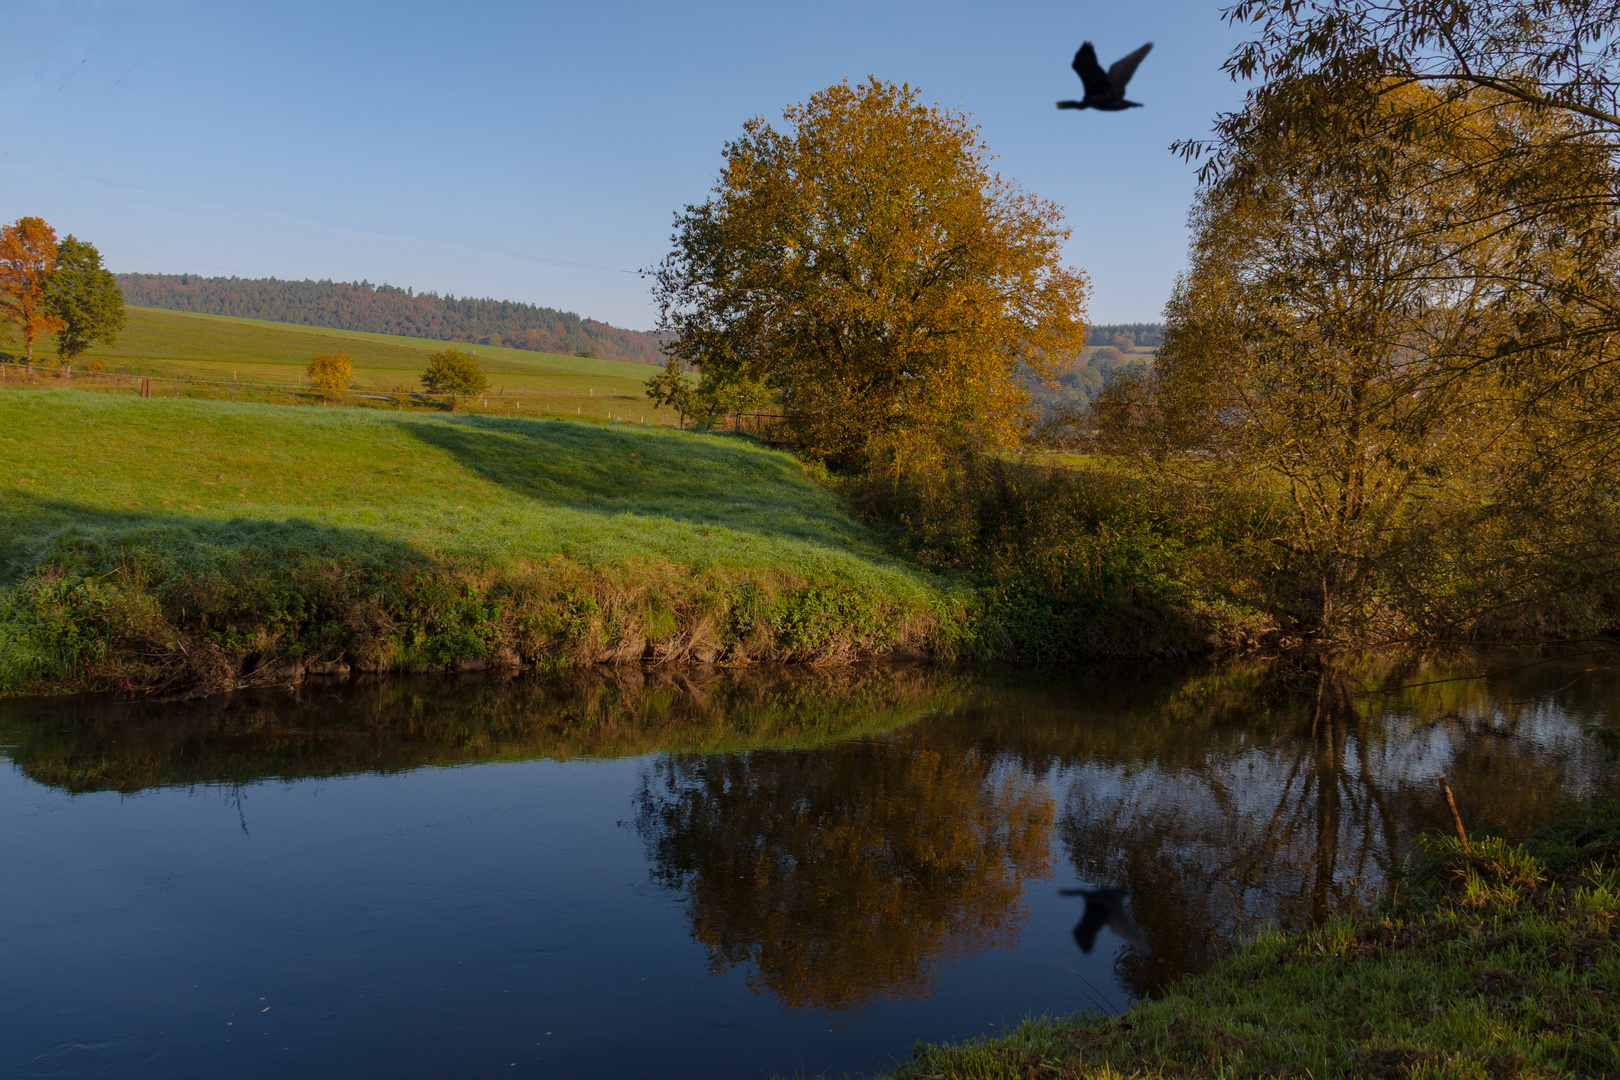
(217, 357)
(192, 543)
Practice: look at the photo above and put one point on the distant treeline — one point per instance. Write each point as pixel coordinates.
(1140, 334)
(1081, 380)
(385, 309)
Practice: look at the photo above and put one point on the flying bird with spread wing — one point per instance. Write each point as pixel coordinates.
(1105, 907)
(1105, 90)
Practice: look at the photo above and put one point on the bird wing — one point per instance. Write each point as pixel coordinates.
(1085, 931)
(1123, 69)
(1091, 73)
(1120, 923)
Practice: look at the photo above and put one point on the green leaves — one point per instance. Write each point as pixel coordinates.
(84, 297)
(452, 371)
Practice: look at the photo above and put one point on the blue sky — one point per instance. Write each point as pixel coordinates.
(538, 151)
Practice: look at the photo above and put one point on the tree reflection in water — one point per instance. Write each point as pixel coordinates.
(851, 873)
(1227, 799)
(1309, 819)
(845, 835)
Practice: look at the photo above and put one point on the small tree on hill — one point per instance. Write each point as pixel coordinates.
(707, 398)
(85, 297)
(27, 260)
(330, 371)
(452, 371)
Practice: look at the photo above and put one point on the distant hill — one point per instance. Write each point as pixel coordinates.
(1141, 334)
(384, 309)
(1082, 379)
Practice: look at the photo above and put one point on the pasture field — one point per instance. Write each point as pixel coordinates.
(218, 357)
(137, 534)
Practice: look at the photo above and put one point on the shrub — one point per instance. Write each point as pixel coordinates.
(452, 371)
(1071, 561)
(330, 371)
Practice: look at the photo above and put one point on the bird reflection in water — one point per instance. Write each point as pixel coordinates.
(1105, 907)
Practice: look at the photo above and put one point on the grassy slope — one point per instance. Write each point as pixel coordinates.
(1498, 962)
(254, 352)
(212, 493)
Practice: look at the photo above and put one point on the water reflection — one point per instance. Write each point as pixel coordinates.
(84, 745)
(1106, 907)
(844, 839)
(1257, 796)
(848, 874)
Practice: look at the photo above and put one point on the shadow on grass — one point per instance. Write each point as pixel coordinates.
(33, 529)
(707, 480)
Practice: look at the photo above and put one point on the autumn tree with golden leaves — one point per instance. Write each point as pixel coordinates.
(27, 260)
(330, 371)
(868, 265)
(1347, 341)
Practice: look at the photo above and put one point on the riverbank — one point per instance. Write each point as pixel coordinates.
(191, 546)
(1497, 959)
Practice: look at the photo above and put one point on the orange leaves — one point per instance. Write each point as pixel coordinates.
(869, 266)
(27, 259)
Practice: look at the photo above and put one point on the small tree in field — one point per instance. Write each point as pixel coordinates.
(27, 260)
(330, 371)
(85, 297)
(708, 398)
(868, 266)
(452, 371)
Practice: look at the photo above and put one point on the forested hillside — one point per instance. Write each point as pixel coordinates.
(385, 309)
(1127, 335)
(1080, 381)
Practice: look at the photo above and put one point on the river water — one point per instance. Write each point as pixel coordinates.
(717, 874)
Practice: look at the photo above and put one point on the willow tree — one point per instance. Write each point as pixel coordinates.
(869, 266)
(1347, 338)
(1342, 75)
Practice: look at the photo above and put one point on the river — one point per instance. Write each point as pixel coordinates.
(708, 872)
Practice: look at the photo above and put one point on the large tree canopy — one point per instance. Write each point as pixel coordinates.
(1544, 77)
(1401, 318)
(869, 266)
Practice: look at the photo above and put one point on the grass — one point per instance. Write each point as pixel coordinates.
(159, 542)
(218, 356)
(1496, 961)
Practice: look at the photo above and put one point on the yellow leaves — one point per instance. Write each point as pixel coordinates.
(869, 266)
(330, 371)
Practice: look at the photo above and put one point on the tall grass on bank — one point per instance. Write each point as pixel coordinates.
(1497, 959)
(203, 544)
(1073, 561)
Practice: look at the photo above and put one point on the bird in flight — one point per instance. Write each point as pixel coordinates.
(1105, 90)
(1104, 907)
